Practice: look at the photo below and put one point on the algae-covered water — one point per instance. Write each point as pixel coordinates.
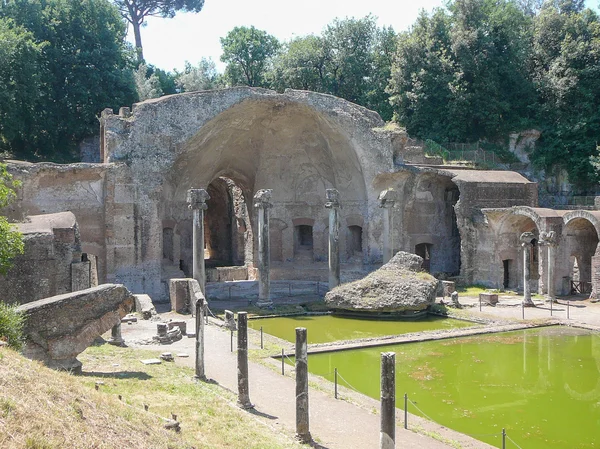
(327, 328)
(542, 385)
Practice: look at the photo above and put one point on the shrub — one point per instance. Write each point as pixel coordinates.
(11, 325)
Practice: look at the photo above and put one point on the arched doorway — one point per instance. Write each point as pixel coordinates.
(227, 229)
(510, 255)
(580, 241)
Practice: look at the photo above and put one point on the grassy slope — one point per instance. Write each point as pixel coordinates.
(43, 409)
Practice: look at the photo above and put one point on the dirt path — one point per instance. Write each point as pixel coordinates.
(343, 424)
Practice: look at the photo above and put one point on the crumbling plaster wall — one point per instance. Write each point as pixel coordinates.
(297, 143)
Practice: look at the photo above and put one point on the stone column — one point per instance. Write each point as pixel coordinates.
(387, 199)
(526, 244)
(196, 199)
(242, 361)
(549, 239)
(333, 204)
(200, 371)
(115, 336)
(262, 202)
(387, 435)
(302, 426)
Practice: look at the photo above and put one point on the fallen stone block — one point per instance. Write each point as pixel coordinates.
(180, 323)
(151, 362)
(488, 298)
(144, 306)
(184, 294)
(59, 328)
(129, 318)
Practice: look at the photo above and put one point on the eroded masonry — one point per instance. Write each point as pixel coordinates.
(127, 219)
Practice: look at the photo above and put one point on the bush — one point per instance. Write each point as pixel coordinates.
(11, 325)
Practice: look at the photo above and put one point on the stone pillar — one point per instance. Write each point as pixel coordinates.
(387, 199)
(115, 336)
(200, 371)
(526, 244)
(549, 239)
(262, 202)
(242, 361)
(387, 435)
(302, 427)
(196, 199)
(333, 204)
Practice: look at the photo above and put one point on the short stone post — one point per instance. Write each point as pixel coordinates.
(302, 426)
(387, 200)
(526, 244)
(333, 204)
(262, 202)
(549, 239)
(387, 436)
(115, 336)
(242, 360)
(196, 199)
(200, 372)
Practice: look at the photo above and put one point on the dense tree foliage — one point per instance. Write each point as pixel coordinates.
(136, 11)
(481, 69)
(69, 62)
(203, 76)
(248, 53)
(11, 243)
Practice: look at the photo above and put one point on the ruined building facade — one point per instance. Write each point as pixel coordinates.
(134, 222)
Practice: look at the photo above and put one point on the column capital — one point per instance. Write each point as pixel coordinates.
(548, 238)
(196, 199)
(526, 239)
(387, 198)
(262, 199)
(333, 198)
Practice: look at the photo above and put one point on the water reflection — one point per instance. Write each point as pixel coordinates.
(542, 385)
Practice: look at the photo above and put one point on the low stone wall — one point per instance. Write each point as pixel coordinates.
(59, 328)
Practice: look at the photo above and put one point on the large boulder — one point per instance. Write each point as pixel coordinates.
(398, 287)
(59, 328)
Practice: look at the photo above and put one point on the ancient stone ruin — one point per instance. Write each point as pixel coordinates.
(135, 225)
(61, 327)
(399, 289)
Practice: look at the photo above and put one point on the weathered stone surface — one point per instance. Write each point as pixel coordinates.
(52, 262)
(398, 286)
(488, 298)
(184, 294)
(60, 327)
(144, 306)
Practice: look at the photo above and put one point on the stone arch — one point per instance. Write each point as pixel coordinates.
(508, 265)
(580, 245)
(296, 143)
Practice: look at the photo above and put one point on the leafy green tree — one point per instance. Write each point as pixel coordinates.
(11, 243)
(11, 325)
(147, 83)
(301, 65)
(20, 58)
(84, 67)
(462, 75)
(136, 11)
(204, 76)
(248, 53)
(566, 69)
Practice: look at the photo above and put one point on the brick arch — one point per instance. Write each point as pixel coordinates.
(569, 217)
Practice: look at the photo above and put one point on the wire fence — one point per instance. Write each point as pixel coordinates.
(503, 436)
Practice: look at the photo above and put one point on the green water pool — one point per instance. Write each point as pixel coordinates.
(328, 328)
(542, 385)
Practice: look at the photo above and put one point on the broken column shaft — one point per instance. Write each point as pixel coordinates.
(387, 200)
(200, 371)
(302, 418)
(242, 361)
(387, 435)
(526, 239)
(196, 199)
(115, 336)
(333, 204)
(262, 202)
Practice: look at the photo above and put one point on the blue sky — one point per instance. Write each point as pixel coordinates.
(168, 43)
